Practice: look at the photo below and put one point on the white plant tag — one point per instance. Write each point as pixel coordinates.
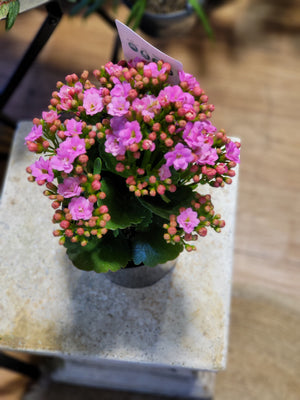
(134, 46)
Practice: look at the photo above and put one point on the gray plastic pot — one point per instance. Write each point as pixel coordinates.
(140, 276)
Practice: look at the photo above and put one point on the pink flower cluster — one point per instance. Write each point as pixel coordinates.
(156, 136)
(193, 221)
(77, 193)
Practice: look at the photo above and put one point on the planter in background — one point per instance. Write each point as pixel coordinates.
(175, 23)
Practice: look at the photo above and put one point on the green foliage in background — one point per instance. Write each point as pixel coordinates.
(136, 13)
(9, 10)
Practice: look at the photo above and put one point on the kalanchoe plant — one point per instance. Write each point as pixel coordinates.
(123, 158)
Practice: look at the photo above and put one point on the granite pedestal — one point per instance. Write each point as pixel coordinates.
(175, 330)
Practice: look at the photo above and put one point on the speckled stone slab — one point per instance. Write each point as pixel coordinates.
(26, 5)
(48, 306)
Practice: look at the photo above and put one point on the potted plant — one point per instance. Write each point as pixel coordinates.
(158, 18)
(166, 18)
(123, 156)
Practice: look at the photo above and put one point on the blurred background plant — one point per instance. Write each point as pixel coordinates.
(139, 7)
(9, 9)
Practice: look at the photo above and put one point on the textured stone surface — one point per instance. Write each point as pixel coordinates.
(26, 5)
(48, 306)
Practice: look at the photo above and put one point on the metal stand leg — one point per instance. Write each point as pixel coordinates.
(116, 49)
(46, 30)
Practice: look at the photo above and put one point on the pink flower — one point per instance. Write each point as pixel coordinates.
(73, 127)
(152, 70)
(194, 136)
(208, 126)
(35, 133)
(68, 150)
(164, 172)
(42, 170)
(189, 79)
(73, 147)
(112, 69)
(62, 163)
(221, 168)
(93, 101)
(206, 155)
(80, 208)
(148, 145)
(130, 134)
(188, 220)
(147, 106)
(49, 116)
(66, 96)
(180, 157)
(171, 94)
(113, 146)
(118, 106)
(232, 152)
(78, 87)
(121, 90)
(70, 187)
(187, 98)
(117, 123)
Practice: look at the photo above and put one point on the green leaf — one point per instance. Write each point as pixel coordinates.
(100, 255)
(124, 208)
(136, 14)
(14, 8)
(97, 166)
(4, 8)
(202, 16)
(79, 7)
(95, 5)
(151, 249)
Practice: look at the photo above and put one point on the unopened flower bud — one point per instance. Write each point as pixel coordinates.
(172, 230)
(92, 198)
(169, 142)
(140, 171)
(161, 189)
(78, 170)
(167, 236)
(69, 233)
(96, 185)
(83, 158)
(65, 224)
(103, 209)
(156, 127)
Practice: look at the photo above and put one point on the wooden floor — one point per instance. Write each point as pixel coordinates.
(252, 75)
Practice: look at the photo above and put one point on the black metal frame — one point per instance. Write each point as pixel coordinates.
(21, 367)
(53, 17)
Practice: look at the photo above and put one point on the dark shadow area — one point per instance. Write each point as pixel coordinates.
(60, 391)
(124, 323)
